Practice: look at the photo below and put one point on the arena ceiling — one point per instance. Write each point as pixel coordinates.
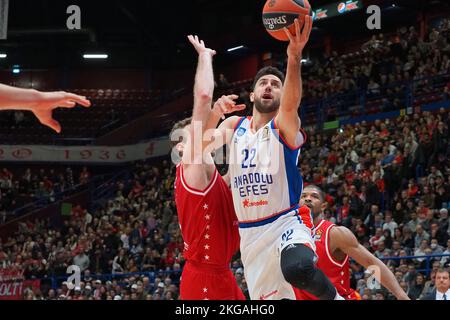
(149, 33)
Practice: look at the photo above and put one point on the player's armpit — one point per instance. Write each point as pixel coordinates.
(343, 239)
(287, 118)
(197, 176)
(289, 125)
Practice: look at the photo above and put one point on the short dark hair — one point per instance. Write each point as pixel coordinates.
(443, 270)
(265, 71)
(318, 189)
(179, 125)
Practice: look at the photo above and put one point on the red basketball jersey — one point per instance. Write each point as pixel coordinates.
(337, 272)
(207, 220)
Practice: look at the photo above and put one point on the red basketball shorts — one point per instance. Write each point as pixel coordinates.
(200, 282)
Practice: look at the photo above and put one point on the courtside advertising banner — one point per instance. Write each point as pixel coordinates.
(86, 154)
(13, 284)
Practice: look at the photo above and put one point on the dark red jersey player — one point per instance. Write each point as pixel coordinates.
(205, 207)
(337, 271)
(211, 238)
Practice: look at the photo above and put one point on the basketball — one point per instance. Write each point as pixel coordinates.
(278, 14)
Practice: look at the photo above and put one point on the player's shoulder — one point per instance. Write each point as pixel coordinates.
(327, 223)
(232, 122)
(324, 225)
(342, 235)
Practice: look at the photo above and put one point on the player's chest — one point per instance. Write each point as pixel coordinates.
(251, 149)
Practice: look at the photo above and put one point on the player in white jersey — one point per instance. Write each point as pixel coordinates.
(277, 247)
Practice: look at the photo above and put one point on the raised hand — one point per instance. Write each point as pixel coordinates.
(199, 46)
(298, 41)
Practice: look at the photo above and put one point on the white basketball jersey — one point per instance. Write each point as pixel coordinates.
(265, 180)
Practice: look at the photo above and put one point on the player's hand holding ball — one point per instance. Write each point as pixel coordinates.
(284, 20)
(298, 40)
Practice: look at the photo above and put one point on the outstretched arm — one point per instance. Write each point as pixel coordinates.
(343, 239)
(203, 93)
(204, 81)
(197, 160)
(287, 119)
(40, 103)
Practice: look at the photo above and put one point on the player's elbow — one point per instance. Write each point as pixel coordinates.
(204, 96)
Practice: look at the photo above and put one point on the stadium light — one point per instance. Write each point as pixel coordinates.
(235, 48)
(3, 55)
(95, 56)
(16, 69)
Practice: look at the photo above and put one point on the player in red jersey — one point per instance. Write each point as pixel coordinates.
(335, 245)
(205, 207)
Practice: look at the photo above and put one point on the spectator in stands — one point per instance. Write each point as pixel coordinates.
(421, 250)
(377, 222)
(429, 286)
(380, 295)
(445, 261)
(435, 247)
(376, 239)
(442, 285)
(84, 176)
(387, 238)
(389, 224)
(443, 226)
(420, 236)
(416, 289)
(222, 82)
(413, 222)
(120, 262)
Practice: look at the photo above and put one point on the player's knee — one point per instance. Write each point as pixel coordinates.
(298, 274)
(297, 265)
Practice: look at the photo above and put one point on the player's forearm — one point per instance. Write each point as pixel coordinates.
(12, 98)
(213, 119)
(203, 89)
(290, 100)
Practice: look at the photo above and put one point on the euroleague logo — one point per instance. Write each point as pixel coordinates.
(272, 3)
(318, 235)
(241, 132)
(341, 7)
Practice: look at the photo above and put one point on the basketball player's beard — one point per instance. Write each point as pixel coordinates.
(273, 107)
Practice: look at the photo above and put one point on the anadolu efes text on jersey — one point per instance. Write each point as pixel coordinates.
(265, 179)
